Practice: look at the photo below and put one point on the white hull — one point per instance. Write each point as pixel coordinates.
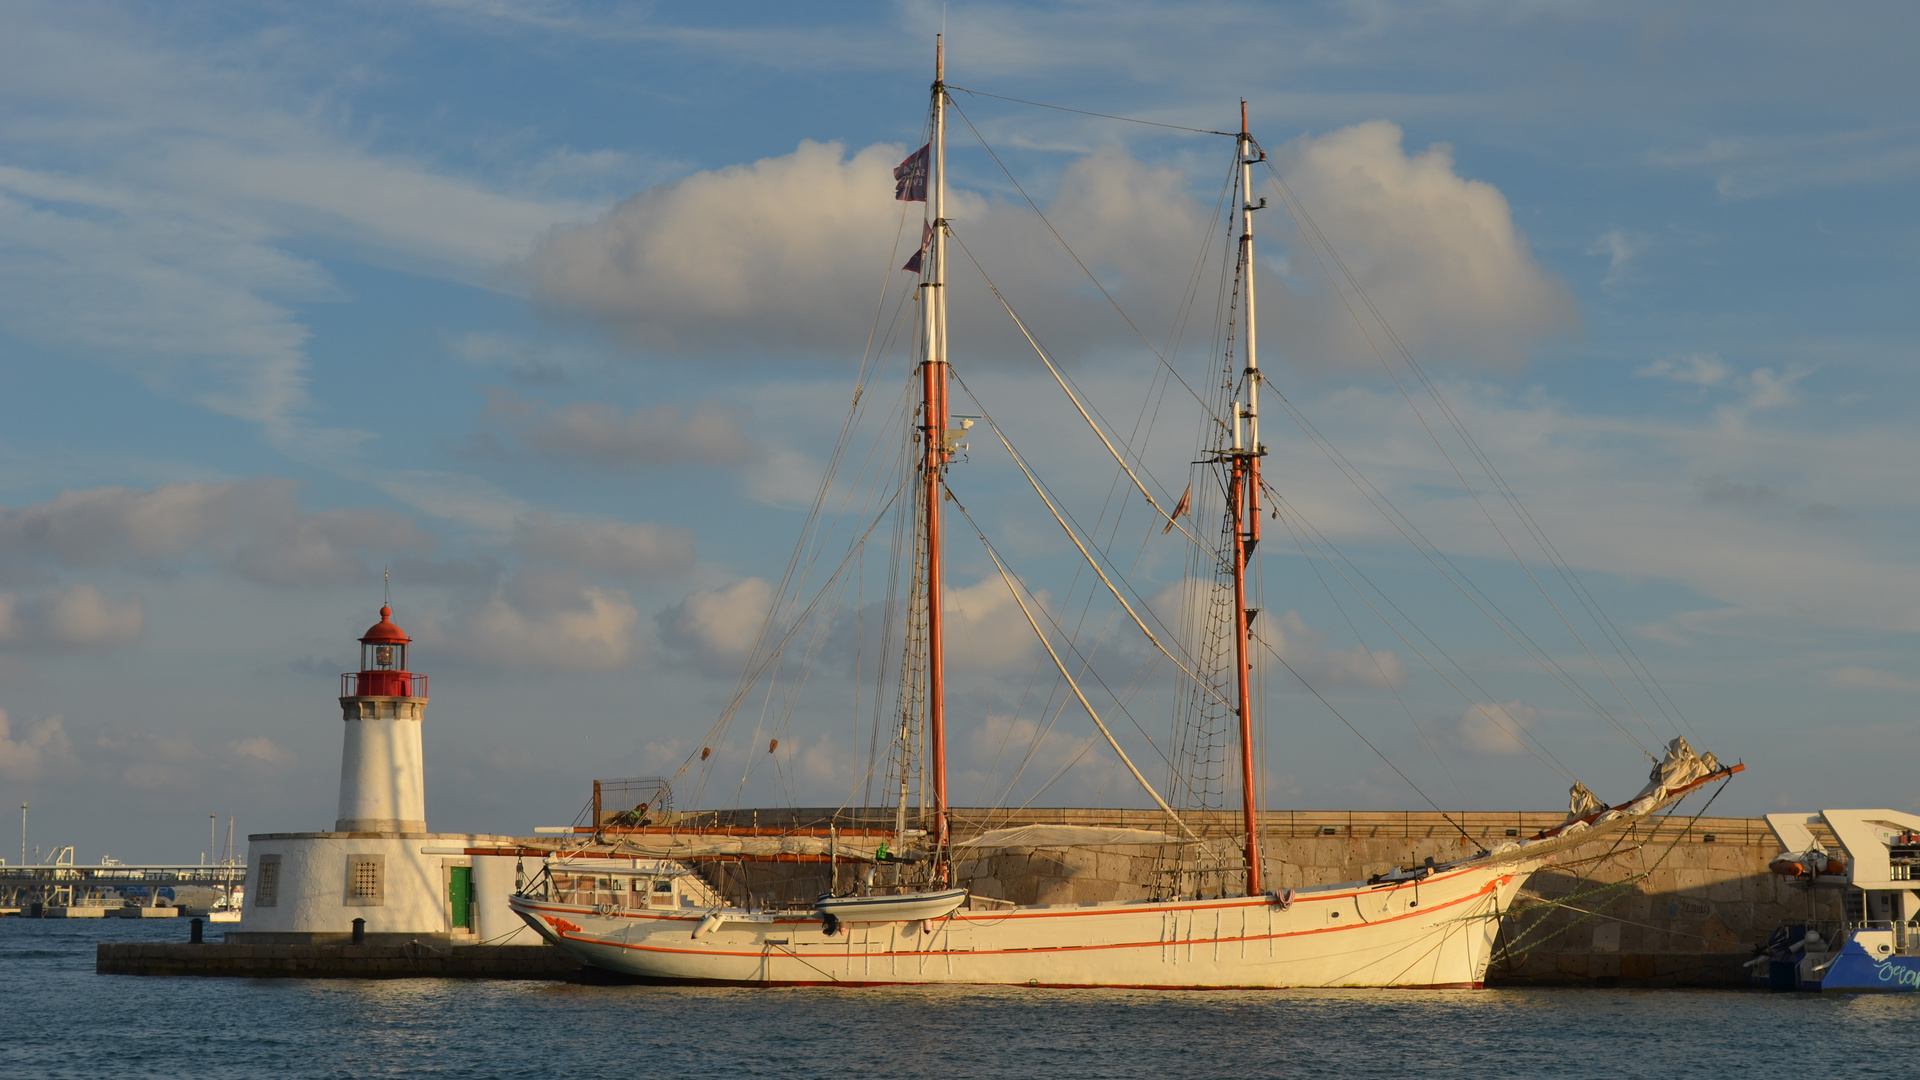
(1433, 933)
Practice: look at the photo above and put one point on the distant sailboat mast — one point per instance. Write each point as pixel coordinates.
(1243, 504)
(934, 456)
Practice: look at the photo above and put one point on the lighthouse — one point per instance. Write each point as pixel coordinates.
(379, 873)
(382, 765)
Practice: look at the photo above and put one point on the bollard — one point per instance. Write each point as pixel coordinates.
(359, 931)
(194, 929)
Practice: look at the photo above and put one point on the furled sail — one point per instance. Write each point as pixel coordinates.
(1680, 767)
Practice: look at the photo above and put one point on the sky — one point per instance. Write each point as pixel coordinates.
(555, 310)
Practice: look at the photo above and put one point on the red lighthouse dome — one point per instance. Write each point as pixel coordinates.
(383, 660)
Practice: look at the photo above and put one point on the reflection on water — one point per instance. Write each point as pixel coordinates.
(64, 1021)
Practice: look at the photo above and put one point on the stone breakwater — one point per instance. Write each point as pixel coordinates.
(1671, 902)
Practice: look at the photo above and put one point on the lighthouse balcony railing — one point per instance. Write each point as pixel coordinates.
(383, 684)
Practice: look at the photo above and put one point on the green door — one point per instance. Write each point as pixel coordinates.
(460, 897)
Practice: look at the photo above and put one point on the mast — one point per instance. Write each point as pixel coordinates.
(1243, 503)
(933, 405)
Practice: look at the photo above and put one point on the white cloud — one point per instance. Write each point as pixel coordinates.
(260, 750)
(168, 237)
(1860, 678)
(291, 548)
(100, 525)
(1620, 247)
(254, 527)
(603, 435)
(784, 477)
(1490, 728)
(786, 250)
(43, 745)
(1624, 496)
(147, 761)
(1439, 254)
(79, 617)
(986, 629)
(718, 626)
(548, 620)
(1694, 369)
(1760, 166)
(1766, 390)
(1303, 647)
(1306, 650)
(992, 753)
(641, 549)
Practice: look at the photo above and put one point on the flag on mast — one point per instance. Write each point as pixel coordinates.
(910, 176)
(926, 238)
(1181, 507)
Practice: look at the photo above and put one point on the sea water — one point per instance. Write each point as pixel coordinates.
(59, 1019)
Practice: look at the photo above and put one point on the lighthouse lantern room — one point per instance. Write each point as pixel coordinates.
(383, 663)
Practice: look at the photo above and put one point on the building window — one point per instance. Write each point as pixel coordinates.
(266, 883)
(366, 880)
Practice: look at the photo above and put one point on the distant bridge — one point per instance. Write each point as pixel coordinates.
(63, 883)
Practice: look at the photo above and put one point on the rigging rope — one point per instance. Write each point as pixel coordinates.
(1115, 304)
(1092, 562)
(1084, 703)
(1271, 651)
(1089, 112)
(1071, 396)
(1311, 231)
(1291, 514)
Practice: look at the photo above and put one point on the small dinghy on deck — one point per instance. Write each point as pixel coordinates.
(905, 907)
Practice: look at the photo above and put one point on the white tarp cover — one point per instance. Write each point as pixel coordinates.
(1680, 767)
(1054, 836)
(1581, 802)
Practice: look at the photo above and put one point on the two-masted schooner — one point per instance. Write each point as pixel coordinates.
(1423, 926)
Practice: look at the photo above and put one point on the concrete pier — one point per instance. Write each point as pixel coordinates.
(415, 960)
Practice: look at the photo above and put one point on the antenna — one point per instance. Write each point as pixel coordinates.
(386, 585)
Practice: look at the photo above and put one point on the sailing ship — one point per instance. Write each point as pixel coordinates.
(635, 904)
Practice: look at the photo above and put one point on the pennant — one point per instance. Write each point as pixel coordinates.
(910, 176)
(1185, 504)
(926, 238)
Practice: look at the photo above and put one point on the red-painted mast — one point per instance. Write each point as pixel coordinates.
(933, 404)
(1243, 504)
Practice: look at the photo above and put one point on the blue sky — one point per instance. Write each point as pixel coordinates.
(554, 308)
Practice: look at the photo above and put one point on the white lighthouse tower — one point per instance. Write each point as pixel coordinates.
(382, 765)
(378, 872)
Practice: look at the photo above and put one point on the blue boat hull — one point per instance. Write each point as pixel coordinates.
(1856, 970)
